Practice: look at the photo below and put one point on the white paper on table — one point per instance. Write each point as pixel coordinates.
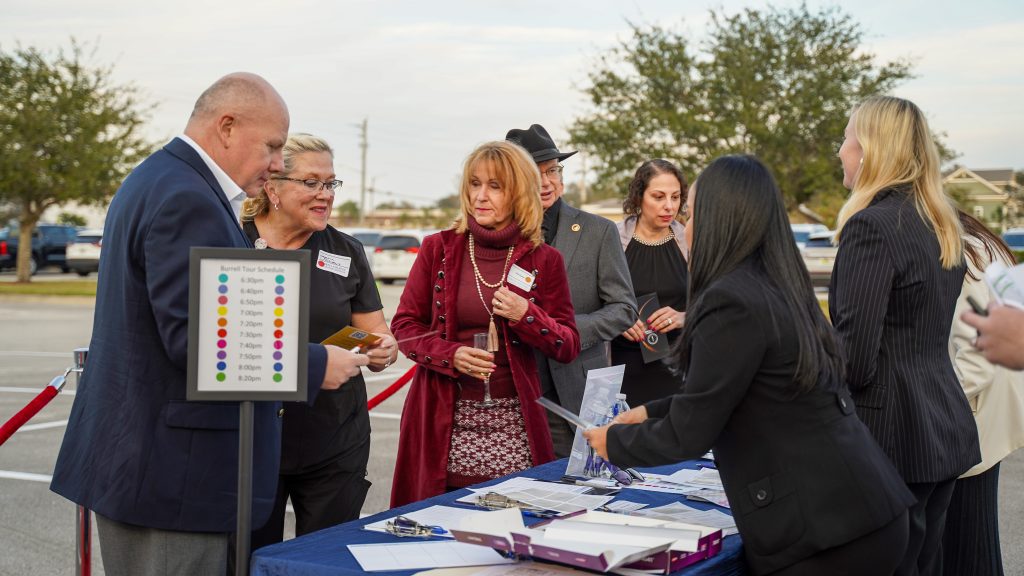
(624, 506)
(598, 394)
(623, 534)
(659, 483)
(597, 517)
(446, 517)
(678, 512)
(716, 497)
(417, 555)
(560, 501)
(702, 478)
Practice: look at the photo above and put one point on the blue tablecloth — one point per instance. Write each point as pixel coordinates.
(325, 553)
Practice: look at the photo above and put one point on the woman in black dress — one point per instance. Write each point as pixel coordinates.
(652, 237)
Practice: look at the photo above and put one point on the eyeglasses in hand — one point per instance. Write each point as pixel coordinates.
(312, 184)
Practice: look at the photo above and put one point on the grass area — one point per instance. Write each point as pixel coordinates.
(70, 288)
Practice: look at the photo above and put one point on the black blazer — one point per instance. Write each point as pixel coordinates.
(892, 304)
(802, 473)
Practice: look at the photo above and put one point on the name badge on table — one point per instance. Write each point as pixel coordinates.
(333, 263)
(520, 278)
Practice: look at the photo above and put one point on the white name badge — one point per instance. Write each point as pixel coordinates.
(333, 263)
(520, 278)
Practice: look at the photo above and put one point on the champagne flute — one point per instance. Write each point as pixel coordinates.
(480, 343)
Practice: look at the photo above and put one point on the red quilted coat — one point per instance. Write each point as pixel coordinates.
(430, 296)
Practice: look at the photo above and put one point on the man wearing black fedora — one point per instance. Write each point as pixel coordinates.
(602, 292)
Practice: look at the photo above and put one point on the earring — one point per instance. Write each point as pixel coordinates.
(277, 206)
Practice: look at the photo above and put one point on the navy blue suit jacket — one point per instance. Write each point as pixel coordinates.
(135, 451)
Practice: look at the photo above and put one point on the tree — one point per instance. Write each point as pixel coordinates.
(778, 83)
(71, 219)
(67, 133)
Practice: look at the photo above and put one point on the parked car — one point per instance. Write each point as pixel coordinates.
(1014, 238)
(801, 232)
(83, 255)
(49, 246)
(368, 237)
(395, 254)
(819, 257)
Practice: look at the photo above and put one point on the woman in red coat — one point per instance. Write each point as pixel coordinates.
(492, 274)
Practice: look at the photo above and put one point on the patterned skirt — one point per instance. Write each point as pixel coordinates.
(487, 442)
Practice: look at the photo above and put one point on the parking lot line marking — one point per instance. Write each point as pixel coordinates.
(385, 416)
(22, 390)
(35, 354)
(25, 476)
(43, 426)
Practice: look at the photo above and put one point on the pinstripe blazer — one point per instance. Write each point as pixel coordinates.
(892, 304)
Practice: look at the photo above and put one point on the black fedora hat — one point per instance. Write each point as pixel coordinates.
(538, 143)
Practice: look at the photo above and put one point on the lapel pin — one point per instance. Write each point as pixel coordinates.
(575, 228)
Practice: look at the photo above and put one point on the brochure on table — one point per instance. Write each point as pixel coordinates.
(602, 386)
(594, 540)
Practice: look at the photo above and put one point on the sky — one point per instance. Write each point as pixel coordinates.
(435, 79)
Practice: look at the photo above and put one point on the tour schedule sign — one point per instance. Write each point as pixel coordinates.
(248, 324)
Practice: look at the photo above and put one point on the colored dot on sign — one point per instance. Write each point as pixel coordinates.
(279, 289)
(222, 311)
(278, 367)
(278, 322)
(222, 332)
(279, 279)
(222, 300)
(279, 300)
(222, 365)
(223, 277)
(278, 311)
(222, 355)
(319, 263)
(222, 322)
(277, 344)
(220, 376)
(277, 377)
(222, 343)
(222, 289)
(278, 333)
(277, 355)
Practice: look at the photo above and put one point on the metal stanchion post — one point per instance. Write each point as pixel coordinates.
(83, 524)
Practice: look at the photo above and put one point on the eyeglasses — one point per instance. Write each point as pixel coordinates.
(554, 173)
(312, 184)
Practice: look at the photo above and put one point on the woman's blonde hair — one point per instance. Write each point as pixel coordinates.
(299, 143)
(898, 150)
(517, 172)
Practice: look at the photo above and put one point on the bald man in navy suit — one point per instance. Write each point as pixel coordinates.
(159, 472)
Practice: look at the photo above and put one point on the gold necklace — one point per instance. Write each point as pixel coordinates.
(492, 332)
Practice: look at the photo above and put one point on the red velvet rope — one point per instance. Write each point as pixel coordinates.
(26, 413)
(48, 393)
(390, 390)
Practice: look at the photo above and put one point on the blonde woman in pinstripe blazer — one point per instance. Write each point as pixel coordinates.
(898, 273)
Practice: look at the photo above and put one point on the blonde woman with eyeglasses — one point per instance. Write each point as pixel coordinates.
(898, 272)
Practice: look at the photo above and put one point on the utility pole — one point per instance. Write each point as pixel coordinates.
(583, 178)
(363, 145)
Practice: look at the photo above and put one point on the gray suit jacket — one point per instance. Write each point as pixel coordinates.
(602, 295)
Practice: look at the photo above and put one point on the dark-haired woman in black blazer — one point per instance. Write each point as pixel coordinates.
(897, 276)
(810, 490)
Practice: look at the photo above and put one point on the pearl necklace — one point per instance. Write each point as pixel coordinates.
(671, 235)
(492, 331)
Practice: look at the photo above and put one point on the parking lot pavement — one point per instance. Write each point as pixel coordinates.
(37, 527)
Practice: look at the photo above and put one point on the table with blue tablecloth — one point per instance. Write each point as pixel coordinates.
(325, 553)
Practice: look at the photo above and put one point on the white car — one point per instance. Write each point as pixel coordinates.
(83, 255)
(395, 254)
(801, 232)
(368, 237)
(819, 257)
